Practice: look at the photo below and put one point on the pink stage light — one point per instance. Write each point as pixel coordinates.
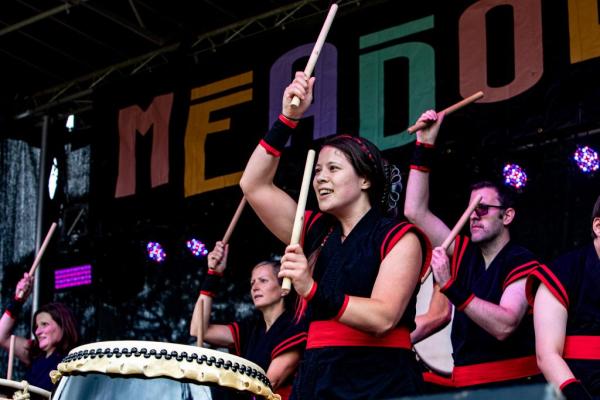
(514, 176)
(74, 276)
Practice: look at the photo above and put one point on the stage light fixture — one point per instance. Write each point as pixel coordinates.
(196, 247)
(53, 179)
(586, 159)
(70, 125)
(156, 252)
(514, 176)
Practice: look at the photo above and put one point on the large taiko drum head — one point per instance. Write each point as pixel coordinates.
(138, 370)
(13, 389)
(435, 352)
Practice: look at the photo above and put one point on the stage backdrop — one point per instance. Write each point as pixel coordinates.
(170, 146)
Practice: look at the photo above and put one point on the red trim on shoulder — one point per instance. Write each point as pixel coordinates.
(307, 214)
(343, 308)
(428, 145)
(392, 237)
(522, 271)
(310, 217)
(531, 285)
(215, 273)
(460, 246)
(315, 218)
(270, 149)
(447, 285)
(567, 382)
(545, 275)
(207, 293)
(311, 293)
(235, 332)
(466, 303)
(7, 312)
(397, 232)
(289, 343)
(420, 168)
(289, 122)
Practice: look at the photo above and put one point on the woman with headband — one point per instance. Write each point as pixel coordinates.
(358, 269)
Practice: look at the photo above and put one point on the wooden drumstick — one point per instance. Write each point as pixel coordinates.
(11, 357)
(312, 60)
(234, 221)
(299, 218)
(200, 336)
(459, 225)
(39, 255)
(449, 110)
(461, 222)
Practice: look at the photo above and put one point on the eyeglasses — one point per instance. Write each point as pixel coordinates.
(484, 209)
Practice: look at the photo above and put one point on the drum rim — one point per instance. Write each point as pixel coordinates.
(195, 364)
(422, 348)
(20, 386)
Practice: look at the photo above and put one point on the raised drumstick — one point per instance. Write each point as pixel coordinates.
(39, 255)
(312, 60)
(459, 225)
(449, 110)
(299, 218)
(11, 357)
(234, 220)
(200, 336)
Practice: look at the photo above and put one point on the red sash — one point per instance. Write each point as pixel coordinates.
(336, 334)
(489, 372)
(582, 347)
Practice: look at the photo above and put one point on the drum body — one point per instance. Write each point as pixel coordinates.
(434, 352)
(138, 370)
(12, 389)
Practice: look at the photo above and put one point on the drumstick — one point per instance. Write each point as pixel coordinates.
(449, 110)
(459, 225)
(200, 337)
(234, 220)
(39, 255)
(299, 218)
(312, 60)
(11, 356)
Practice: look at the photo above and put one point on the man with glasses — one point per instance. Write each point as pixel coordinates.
(492, 332)
(567, 318)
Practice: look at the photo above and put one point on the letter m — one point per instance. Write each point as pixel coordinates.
(133, 119)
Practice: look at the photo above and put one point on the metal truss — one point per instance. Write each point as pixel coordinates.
(75, 94)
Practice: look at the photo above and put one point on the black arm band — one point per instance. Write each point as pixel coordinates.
(278, 135)
(328, 304)
(458, 295)
(210, 285)
(423, 157)
(575, 391)
(14, 308)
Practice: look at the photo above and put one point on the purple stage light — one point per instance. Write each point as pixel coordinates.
(156, 252)
(74, 276)
(514, 176)
(197, 248)
(586, 159)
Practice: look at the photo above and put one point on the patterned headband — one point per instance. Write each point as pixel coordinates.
(362, 146)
